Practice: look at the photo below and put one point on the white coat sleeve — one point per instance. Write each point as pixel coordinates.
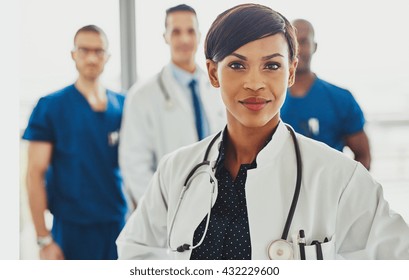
(136, 155)
(144, 236)
(366, 227)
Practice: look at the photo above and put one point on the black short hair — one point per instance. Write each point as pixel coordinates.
(178, 8)
(243, 24)
(301, 20)
(94, 29)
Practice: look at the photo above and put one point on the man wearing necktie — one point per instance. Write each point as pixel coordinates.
(200, 116)
(176, 108)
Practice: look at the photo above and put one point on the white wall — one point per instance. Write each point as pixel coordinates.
(9, 149)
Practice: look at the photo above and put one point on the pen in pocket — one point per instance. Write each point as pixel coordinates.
(301, 243)
(318, 249)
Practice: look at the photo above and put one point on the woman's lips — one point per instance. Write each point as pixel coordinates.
(254, 103)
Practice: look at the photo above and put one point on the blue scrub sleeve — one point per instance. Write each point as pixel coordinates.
(39, 126)
(354, 120)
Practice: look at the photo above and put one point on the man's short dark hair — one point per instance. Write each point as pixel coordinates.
(94, 29)
(178, 8)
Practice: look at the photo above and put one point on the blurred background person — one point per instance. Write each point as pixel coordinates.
(320, 110)
(73, 165)
(177, 107)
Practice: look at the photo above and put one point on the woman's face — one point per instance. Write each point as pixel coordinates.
(253, 81)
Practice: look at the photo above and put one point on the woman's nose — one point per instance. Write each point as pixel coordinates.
(254, 81)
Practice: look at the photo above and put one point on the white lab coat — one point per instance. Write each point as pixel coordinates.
(150, 129)
(338, 200)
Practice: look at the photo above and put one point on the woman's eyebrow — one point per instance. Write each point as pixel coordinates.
(242, 57)
(267, 57)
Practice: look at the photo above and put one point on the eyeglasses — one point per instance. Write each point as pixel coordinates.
(84, 52)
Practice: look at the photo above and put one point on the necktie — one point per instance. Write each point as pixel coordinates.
(198, 110)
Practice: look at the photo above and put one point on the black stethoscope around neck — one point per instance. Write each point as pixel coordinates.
(277, 249)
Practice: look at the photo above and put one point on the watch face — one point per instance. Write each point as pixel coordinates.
(44, 241)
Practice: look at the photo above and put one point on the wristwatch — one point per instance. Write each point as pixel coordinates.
(43, 241)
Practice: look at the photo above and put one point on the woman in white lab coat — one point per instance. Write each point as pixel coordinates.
(257, 190)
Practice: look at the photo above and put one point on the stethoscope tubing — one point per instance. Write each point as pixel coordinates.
(194, 173)
(165, 92)
(213, 181)
(297, 185)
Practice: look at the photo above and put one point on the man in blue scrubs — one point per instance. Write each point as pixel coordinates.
(320, 110)
(73, 160)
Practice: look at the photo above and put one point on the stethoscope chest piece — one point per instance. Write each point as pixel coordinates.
(280, 250)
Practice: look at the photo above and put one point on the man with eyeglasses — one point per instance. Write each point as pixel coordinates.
(73, 168)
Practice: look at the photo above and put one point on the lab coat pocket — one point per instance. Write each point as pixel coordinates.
(320, 249)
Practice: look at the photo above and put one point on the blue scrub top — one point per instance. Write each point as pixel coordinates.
(327, 113)
(83, 181)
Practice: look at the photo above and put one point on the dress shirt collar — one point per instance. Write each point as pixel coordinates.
(222, 150)
(182, 76)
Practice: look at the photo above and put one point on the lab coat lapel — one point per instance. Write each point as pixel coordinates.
(175, 90)
(195, 206)
(269, 191)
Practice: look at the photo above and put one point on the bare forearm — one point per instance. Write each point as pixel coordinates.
(365, 159)
(38, 201)
(359, 145)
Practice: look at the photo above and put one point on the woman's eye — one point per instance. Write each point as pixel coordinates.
(272, 66)
(236, 65)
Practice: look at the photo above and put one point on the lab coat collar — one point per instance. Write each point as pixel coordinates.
(174, 89)
(220, 158)
(264, 157)
(274, 147)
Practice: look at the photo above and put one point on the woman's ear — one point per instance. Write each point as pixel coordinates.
(293, 68)
(212, 72)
